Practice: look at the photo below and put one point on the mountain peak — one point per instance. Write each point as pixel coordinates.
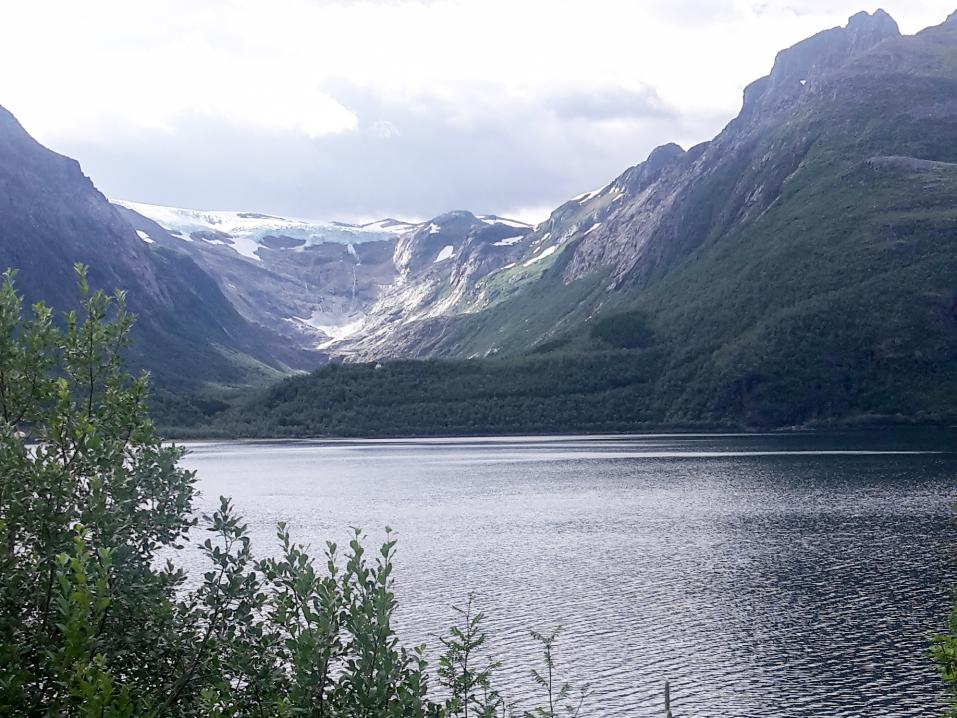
(804, 63)
(865, 30)
(831, 48)
(663, 156)
(12, 129)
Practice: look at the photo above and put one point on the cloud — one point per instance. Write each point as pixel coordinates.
(384, 129)
(341, 109)
(609, 103)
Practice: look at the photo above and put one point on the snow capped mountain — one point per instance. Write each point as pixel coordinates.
(328, 285)
(450, 266)
(248, 232)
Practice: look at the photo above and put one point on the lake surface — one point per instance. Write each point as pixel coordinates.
(787, 576)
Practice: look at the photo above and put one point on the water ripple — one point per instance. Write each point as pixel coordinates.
(798, 577)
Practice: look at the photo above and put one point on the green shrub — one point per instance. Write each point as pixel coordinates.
(92, 624)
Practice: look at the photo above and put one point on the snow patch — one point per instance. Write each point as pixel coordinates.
(248, 229)
(144, 236)
(592, 228)
(582, 198)
(492, 219)
(448, 251)
(547, 252)
(335, 326)
(509, 241)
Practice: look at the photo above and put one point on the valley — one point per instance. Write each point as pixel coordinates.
(684, 444)
(796, 270)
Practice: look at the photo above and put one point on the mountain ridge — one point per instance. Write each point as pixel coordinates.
(635, 239)
(320, 283)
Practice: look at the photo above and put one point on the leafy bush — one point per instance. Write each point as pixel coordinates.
(92, 623)
(944, 652)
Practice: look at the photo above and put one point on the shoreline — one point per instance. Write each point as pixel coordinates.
(660, 431)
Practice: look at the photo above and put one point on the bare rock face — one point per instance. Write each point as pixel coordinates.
(800, 67)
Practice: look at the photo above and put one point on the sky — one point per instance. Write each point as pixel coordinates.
(330, 109)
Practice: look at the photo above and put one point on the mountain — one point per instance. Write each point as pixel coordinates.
(439, 267)
(310, 282)
(187, 332)
(799, 268)
(318, 284)
(832, 103)
(231, 299)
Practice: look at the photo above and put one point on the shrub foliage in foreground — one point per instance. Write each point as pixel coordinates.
(92, 625)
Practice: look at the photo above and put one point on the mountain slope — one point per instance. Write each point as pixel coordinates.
(187, 333)
(799, 268)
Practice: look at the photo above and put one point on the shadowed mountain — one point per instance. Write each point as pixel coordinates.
(187, 333)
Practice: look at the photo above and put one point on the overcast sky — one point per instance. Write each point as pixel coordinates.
(353, 110)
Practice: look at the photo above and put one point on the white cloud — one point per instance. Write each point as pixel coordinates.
(384, 129)
(90, 70)
(602, 81)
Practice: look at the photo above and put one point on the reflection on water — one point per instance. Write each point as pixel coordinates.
(762, 575)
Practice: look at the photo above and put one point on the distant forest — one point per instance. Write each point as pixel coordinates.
(600, 391)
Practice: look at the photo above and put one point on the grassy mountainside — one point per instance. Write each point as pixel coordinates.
(840, 299)
(829, 310)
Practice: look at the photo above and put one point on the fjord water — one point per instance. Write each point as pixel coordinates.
(786, 575)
